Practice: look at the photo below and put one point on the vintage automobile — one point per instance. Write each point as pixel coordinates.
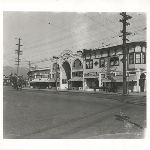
(16, 86)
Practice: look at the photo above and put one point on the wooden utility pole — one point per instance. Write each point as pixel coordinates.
(56, 67)
(29, 63)
(124, 19)
(18, 54)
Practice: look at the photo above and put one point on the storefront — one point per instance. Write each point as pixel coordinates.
(118, 81)
(91, 80)
(76, 83)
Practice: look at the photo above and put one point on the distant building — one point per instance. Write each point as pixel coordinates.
(6, 80)
(69, 70)
(39, 77)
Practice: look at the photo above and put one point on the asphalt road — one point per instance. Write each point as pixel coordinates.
(44, 114)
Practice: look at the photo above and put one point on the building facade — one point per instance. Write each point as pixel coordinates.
(66, 71)
(104, 66)
(95, 68)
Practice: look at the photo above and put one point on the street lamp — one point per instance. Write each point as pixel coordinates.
(54, 57)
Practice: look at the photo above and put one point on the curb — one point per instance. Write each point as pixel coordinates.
(92, 92)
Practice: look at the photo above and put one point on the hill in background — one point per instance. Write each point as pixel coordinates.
(22, 71)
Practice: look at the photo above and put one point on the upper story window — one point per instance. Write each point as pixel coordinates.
(89, 64)
(102, 62)
(131, 58)
(144, 58)
(77, 64)
(138, 58)
(114, 61)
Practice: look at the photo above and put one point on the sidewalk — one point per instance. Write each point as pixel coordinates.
(101, 92)
(139, 135)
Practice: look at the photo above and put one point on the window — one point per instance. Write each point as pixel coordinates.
(137, 58)
(144, 58)
(102, 75)
(74, 64)
(131, 58)
(78, 74)
(89, 64)
(64, 81)
(114, 61)
(102, 62)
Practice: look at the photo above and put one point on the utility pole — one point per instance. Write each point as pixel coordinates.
(18, 60)
(54, 57)
(29, 63)
(123, 20)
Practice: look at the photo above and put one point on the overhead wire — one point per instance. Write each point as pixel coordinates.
(102, 46)
(56, 41)
(10, 17)
(71, 43)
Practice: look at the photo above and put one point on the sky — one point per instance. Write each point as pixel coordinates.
(47, 34)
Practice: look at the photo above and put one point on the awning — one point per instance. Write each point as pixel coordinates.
(76, 79)
(43, 80)
(53, 80)
(120, 79)
(106, 80)
(91, 77)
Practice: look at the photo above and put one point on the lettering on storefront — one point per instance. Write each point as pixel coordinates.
(91, 74)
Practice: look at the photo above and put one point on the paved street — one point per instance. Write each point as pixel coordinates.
(45, 114)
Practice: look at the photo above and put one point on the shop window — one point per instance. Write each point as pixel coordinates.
(89, 64)
(144, 58)
(131, 58)
(73, 74)
(102, 62)
(114, 61)
(137, 58)
(64, 81)
(52, 75)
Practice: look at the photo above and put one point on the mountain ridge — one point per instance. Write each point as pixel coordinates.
(22, 71)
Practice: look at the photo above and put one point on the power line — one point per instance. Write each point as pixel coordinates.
(100, 40)
(110, 44)
(112, 37)
(10, 17)
(60, 39)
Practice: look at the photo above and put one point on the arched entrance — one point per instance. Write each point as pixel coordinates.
(142, 82)
(66, 74)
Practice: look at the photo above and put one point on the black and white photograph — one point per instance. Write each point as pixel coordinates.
(74, 75)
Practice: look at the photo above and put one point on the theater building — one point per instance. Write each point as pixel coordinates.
(71, 70)
(103, 66)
